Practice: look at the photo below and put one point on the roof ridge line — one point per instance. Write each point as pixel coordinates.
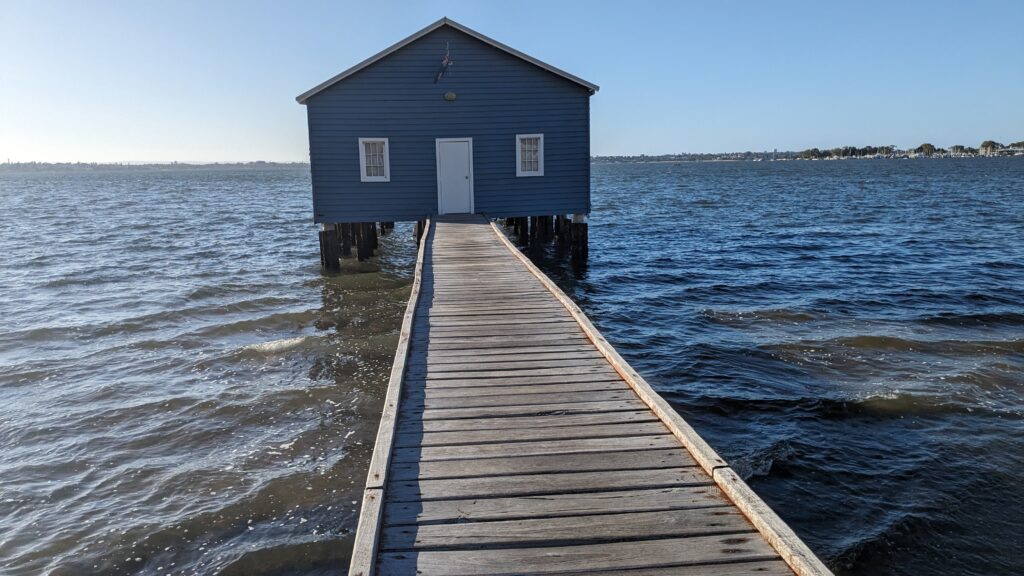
(444, 21)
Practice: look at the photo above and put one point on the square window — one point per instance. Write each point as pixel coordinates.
(529, 154)
(374, 160)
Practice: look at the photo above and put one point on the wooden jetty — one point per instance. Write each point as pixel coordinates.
(516, 440)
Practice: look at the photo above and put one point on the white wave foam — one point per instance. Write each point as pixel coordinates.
(276, 346)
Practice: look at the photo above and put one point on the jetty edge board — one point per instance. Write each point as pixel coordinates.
(492, 459)
(364, 548)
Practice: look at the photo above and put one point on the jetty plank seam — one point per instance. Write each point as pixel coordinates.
(515, 440)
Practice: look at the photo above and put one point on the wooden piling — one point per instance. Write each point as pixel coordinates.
(521, 228)
(360, 239)
(563, 230)
(580, 239)
(323, 259)
(330, 249)
(346, 239)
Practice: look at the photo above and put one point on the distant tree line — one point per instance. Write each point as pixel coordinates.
(988, 148)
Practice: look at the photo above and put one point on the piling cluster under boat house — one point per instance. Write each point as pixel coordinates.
(449, 121)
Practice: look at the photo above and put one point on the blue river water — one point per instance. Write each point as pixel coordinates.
(183, 391)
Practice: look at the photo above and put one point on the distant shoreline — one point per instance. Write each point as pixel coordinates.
(640, 159)
(653, 160)
(86, 166)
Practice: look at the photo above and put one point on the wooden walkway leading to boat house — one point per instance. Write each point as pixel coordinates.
(515, 440)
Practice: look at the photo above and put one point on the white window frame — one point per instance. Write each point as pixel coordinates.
(362, 161)
(540, 155)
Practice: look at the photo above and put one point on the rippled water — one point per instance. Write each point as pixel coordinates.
(182, 390)
(849, 335)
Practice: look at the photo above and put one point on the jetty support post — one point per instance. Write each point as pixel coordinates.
(361, 237)
(420, 227)
(330, 247)
(345, 230)
(563, 229)
(536, 232)
(580, 240)
(562, 234)
(522, 229)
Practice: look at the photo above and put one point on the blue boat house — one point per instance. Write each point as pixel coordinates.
(447, 121)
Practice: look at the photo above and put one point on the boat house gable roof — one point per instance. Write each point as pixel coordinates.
(302, 98)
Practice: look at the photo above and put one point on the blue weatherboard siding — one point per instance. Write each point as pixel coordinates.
(498, 96)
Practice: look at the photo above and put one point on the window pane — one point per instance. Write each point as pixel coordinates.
(373, 153)
(529, 154)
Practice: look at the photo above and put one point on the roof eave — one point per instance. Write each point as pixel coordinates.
(302, 98)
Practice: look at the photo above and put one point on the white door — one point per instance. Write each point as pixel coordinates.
(454, 175)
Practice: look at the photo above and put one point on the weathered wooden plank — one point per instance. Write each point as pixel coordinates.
(576, 446)
(419, 402)
(409, 423)
(563, 328)
(567, 531)
(499, 354)
(504, 381)
(368, 533)
(490, 320)
(485, 293)
(495, 342)
(537, 484)
(412, 439)
(553, 505)
(516, 364)
(454, 308)
(663, 552)
(596, 369)
(481, 301)
(502, 339)
(525, 410)
(590, 386)
(457, 311)
(543, 464)
(762, 568)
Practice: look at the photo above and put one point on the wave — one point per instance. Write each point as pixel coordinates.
(149, 322)
(895, 344)
(274, 347)
(767, 315)
(278, 321)
(979, 319)
(878, 404)
(761, 463)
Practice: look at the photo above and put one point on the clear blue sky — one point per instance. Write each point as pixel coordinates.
(209, 80)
